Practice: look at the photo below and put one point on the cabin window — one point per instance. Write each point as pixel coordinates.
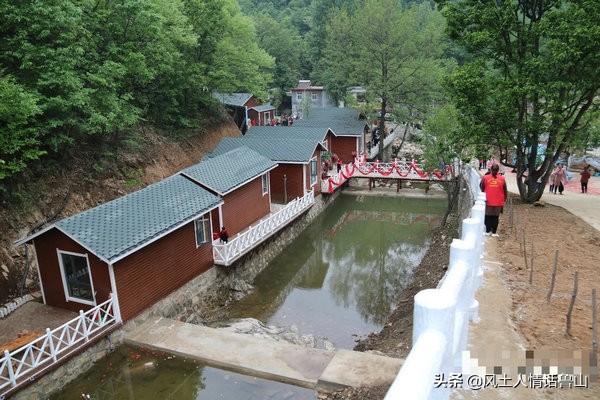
(77, 280)
(202, 228)
(299, 96)
(314, 96)
(265, 184)
(313, 171)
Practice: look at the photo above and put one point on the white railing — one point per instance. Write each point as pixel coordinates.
(227, 253)
(386, 142)
(441, 317)
(19, 365)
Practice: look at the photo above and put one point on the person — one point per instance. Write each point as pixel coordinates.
(585, 177)
(560, 179)
(494, 186)
(339, 165)
(551, 180)
(224, 235)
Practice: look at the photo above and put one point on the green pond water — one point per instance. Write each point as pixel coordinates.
(338, 279)
(126, 375)
(341, 276)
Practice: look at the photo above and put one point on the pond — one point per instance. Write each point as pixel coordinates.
(134, 374)
(342, 275)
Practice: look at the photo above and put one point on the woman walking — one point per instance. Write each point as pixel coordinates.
(494, 186)
(560, 179)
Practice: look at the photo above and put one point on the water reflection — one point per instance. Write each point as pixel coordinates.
(132, 374)
(342, 275)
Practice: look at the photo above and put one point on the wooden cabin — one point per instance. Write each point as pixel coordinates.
(241, 178)
(347, 130)
(298, 159)
(261, 115)
(139, 248)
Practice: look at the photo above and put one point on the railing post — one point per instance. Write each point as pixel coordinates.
(50, 340)
(9, 367)
(434, 310)
(471, 235)
(461, 255)
(83, 325)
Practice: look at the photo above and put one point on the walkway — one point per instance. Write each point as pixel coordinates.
(495, 335)
(264, 358)
(585, 206)
(33, 317)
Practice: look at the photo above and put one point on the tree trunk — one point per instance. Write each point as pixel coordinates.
(382, 128)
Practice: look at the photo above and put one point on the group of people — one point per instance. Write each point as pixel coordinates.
(558, 179)
(284, 120)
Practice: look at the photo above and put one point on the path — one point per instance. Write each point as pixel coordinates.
(585, 206)
(496, 333)
(264, 358)
(32, 316)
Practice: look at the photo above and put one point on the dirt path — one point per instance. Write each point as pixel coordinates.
(515, 315)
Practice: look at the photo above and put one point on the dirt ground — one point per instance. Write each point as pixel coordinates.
(395, 338)
(541, 323)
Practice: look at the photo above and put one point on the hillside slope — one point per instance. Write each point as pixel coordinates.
(87, 182)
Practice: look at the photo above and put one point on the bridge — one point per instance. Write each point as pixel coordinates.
(265, 358)
(399, 170)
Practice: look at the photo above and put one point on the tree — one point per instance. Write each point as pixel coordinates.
(444, 141)
(19, 142)
(534, 78)
(394, 52)
(284, 44)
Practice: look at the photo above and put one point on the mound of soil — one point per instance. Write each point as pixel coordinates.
(550, 228)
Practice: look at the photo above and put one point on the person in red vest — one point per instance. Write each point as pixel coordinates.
(585, 177)
(494, 186)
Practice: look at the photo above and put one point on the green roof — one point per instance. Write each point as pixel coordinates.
(341, 121)
(295, 150)
(262, 107)
(123, 225)
(288, 132)
(229, 170)
(233, 99)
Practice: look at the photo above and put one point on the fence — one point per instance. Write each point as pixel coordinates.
(227, 253)
(18, 366)
(441, 316)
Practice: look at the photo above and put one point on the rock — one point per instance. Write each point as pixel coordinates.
(4, 268)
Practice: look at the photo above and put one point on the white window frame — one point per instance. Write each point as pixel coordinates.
(316, 171)
(264, 181)
(207, 237)
(63, 278)
(299, 96)
(314, 96)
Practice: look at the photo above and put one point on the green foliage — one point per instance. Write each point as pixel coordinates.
(85, 73)
(18, 141)
(395, 53)
(444, 139)
(533, 78)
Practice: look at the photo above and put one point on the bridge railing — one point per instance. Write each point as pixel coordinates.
(386, 142)
(18, 366)
(227, 253)
(441, 317)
